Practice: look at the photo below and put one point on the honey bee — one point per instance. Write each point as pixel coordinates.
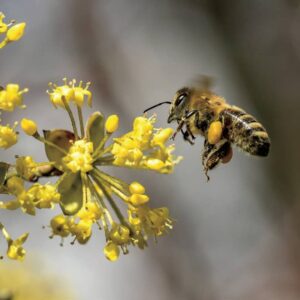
(198, 111)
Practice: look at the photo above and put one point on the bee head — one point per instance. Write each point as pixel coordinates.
(179, 104)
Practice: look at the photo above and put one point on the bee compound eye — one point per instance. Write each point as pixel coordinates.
(180, 98)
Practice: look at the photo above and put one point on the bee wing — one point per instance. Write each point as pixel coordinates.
(204, 83)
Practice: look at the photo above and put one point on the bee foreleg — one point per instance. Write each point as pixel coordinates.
(186, 136)
(190, 114)
(188, 129)
(179, 128)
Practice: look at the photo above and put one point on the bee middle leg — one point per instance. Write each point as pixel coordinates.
(214, 154)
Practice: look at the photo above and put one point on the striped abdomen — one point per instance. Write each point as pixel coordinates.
(244, 131)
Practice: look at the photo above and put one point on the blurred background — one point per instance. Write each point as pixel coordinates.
(237, 236)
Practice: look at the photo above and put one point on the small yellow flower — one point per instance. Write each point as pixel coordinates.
(150, 221)
(82, 231)
(37, 196)
(26, 201)
(119, 234)
(111, 251)
(26, 167)
(60, 91)
(15, 248)
(29, 126)
(60, 226)
(16, 32)
(79, 157)
(70, 92)
(112, 124)
(12, 97)
(145, 148)
(15, 185)
(8, 137)
(44, 196)
(90, 212)
(80, 93)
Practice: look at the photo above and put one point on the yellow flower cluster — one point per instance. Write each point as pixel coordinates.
(37, 196)
(78, 226)
(27, 168)
(86, 194)
(79, 157)
(12, 32)
(144, 147)
(10, 98)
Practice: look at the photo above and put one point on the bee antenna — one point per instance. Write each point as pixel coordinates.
(165, 102)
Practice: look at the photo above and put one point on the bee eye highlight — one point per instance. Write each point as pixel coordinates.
(180, 99)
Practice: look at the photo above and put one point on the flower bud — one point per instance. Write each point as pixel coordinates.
(136, 188)
(16, 32)
(29, 126)
(155, 164)
(137, 199)
(112, 124)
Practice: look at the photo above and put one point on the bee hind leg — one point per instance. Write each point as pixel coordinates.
(214, 154)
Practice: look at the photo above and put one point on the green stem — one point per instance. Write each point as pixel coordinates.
(116, 182)
(100, 146)
(104, 151)
(68, 109)
(99, 197)
(84, 187)
(111, 201)
(80, 116)
(60, 179)
(105, 161)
